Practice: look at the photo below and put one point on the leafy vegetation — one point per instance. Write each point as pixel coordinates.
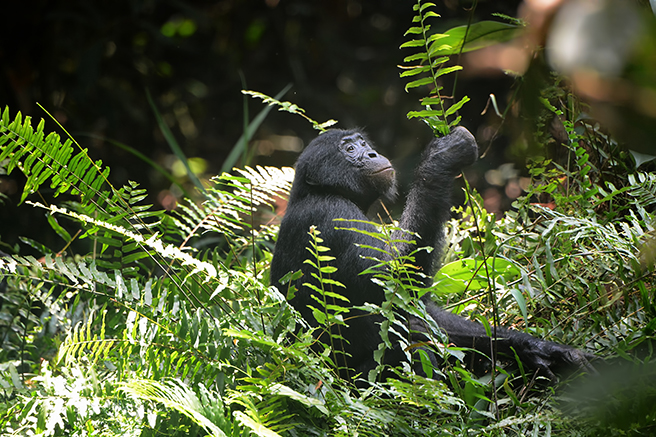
(291, 108)
(431, 63)
(168, 321)
(149, 322)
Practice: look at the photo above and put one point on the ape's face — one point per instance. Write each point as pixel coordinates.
(344, 163)
(372, 165)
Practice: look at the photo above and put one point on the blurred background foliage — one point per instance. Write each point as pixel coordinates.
(91, 65)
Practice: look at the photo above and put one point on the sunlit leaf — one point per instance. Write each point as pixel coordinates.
(479, 35)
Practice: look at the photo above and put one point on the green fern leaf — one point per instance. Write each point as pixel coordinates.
(456, 106)
(425, 113)
(415, 57)
(414, 30)
(424, 6)
(447, 70)
(43, 158)
(413, 43)
(419, 82)
(430, 101)
(178, 396)
(430, 65)
(413, 71)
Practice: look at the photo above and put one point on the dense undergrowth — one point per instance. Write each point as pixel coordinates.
(166, 323)
(145, 322)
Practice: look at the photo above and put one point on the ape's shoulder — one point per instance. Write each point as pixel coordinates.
(321, 208)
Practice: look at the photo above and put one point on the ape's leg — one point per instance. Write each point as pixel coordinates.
(534, 353)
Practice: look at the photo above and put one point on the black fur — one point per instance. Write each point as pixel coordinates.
(339, 175)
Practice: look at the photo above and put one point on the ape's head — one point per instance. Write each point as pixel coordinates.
(343, 162)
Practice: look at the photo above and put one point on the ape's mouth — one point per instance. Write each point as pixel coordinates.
(382, 170)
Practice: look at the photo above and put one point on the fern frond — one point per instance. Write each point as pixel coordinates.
(232, 197)
(265, 418)
(431, 61)
(65, 272)
(464, 39)
(82, 341)
(429, 64)
(176, 395)
(643, 188)
(42, 158)
(291, 108)
(154, 242)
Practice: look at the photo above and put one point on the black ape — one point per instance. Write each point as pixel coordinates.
(339, 175)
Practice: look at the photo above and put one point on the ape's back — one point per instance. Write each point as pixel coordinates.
(291, 249)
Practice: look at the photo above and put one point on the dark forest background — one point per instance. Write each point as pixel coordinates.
(91, 64)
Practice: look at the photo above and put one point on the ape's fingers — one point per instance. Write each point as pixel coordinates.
(582, 360)
(544, 369)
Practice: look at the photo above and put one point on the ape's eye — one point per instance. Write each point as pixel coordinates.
(350, 148)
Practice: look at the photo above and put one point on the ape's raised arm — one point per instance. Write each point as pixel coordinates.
(429, 201)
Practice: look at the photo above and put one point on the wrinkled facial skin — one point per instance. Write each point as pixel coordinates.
(344, 162)
(358, 152)
(376, 170)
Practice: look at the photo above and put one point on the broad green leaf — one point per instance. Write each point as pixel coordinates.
(319, 316)
(479, 35)
(519, 298)
(426, 364)
(469, 274)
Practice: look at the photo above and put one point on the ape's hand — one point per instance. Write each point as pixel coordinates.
(550, 358)
(454, 151)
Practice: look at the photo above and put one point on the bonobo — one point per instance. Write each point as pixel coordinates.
(339, 175)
